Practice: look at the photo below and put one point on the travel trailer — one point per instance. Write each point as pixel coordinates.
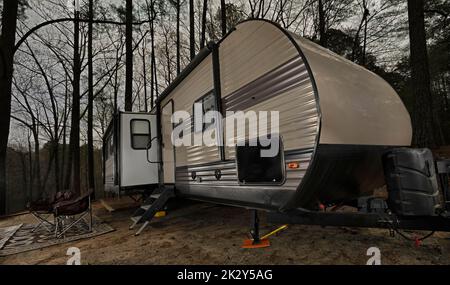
(336, 120)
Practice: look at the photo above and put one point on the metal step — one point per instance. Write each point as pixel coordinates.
(146, 207)
(155, 196)
(135, 220)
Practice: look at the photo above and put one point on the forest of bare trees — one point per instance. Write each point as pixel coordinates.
(61, 83)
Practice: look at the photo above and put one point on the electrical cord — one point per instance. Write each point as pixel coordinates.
(417, 240)
(414, 239)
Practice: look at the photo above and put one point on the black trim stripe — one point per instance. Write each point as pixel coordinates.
(218, 96)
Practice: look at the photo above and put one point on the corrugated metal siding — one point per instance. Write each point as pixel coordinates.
(229, 173)
(251, 51)
(202, 154)
(195, 85)
(206, 172)
(288, 90)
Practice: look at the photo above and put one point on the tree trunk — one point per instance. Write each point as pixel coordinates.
(7, 41)
(152, 56)
(153, 59)
(30, 165)
(37, 163)
(191, 29)
(75, 120)
(67, 179)
(356, 45)
(366, 14)
(425, 127)
(154, 71)
(144, 70)
(56, 162)
(203, 33)
(50, 161)
(129, 57)
(178, 38)
(64, 136)
(116, 87)
(67, 164)
(322, 25)
(223, 17)
(169, 67)
(23, 163)
(444, 94)
(90, 130)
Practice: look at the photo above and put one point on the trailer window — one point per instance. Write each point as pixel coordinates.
(208, 103)
(140, 133)
(256, 169)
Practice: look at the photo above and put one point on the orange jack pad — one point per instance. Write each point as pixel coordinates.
(248, 243)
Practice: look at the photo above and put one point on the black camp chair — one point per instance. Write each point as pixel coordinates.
(73, 211)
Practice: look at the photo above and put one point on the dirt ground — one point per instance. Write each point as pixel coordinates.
(207, 234)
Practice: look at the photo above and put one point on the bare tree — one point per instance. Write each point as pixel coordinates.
(166, 54)
(363, 22)
(223, 17)
(7, 41)
(322, 25)
(90, 137)
(177, 4)
(426, 132)
(32, 123)
(129, 56)
(203, 29)
(74, 144)
(191, 29)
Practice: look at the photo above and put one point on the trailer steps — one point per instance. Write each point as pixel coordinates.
(151, 206)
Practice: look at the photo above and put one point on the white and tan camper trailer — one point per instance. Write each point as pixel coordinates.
(335, 121)
(336, 118)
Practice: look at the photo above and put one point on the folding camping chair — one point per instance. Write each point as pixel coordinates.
(72, 211)
(42, 210)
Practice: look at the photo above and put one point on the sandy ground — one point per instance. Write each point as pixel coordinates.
(205, 234)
